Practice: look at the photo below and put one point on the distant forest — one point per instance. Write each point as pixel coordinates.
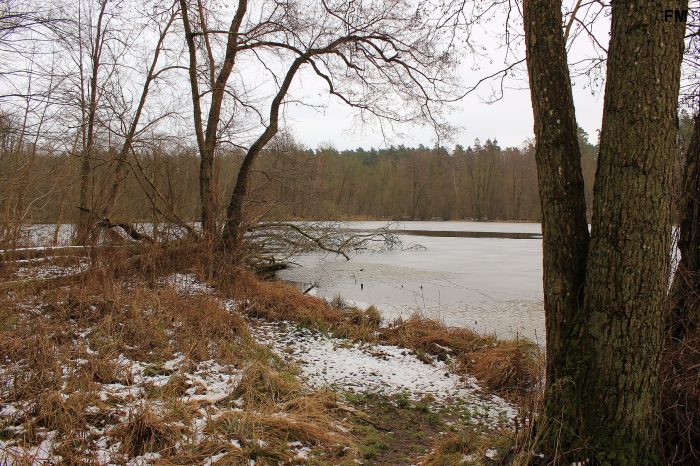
(483, 181)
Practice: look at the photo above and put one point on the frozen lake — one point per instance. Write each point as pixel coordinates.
(484, 275)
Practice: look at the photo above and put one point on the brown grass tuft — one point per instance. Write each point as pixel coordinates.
(429, 336)
(362, 324)
(279, 301)
(507, 367)
(34, 353)
(106, 370)
(310, 427)
(146, 431)
(469, 447)
(263, 385)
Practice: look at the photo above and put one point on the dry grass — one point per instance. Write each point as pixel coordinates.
(266, 432)
(261, 385)
(272, 434)
(429, 336)
(475, 446)
(510, 367)
(681, 400)
(307, 427)
(467, 447)
(150, 324)
(507, 366)
(60, 346)
(37, 368)
(147, 432)
(116, 361)
(279, 301)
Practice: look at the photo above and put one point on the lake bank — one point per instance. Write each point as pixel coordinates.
(481, 275)
(129, 370)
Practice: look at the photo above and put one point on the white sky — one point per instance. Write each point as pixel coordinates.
(330, 122)
(508, 120)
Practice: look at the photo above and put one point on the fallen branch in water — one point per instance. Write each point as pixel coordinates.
(317, 240)
(287, 239)
(306, 291)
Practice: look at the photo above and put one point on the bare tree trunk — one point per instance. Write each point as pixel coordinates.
(233, 229)
(86, 215)
(564, 227)
(603, 404)
(120, 172)
(207, 139)
(59, 219)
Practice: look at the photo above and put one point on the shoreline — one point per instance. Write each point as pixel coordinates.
(242, 368)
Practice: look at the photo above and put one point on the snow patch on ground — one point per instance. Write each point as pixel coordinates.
(207, 383)
(363, 368)
(324, 361)
(47, 271)
(186, 283)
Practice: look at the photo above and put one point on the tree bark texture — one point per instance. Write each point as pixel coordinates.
(617, 376)
(560, 180)
(602, 396)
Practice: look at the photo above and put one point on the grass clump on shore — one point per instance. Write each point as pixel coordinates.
(261, 384)
(506, 367)
(512, 368)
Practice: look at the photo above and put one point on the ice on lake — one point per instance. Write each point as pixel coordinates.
(493, 284)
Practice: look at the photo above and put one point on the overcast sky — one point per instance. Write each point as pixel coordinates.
(508, 120)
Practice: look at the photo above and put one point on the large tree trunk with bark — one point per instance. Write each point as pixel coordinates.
(627, 274)
(603, 398)
(560, 179)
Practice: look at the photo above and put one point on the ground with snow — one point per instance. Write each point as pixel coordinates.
(201, 389)
(369, 368)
